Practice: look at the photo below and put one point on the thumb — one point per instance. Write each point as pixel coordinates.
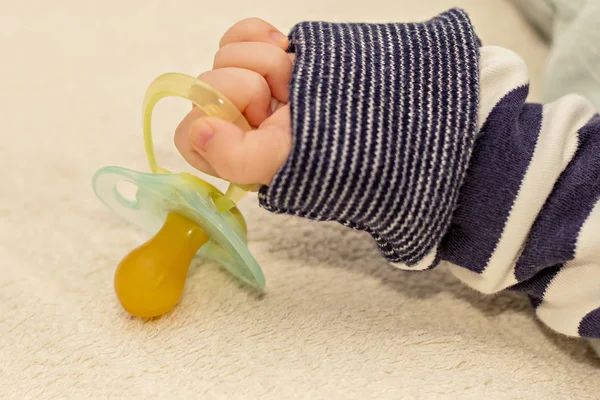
(240, 157)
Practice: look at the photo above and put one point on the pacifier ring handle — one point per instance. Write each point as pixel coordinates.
(207, 99)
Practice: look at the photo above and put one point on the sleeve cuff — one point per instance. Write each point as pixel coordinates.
(383, 122)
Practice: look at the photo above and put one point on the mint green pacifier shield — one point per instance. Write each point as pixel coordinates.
(160, 194)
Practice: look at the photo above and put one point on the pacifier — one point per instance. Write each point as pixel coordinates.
(185, 215)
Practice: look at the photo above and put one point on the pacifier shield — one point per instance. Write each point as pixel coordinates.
(160, 194)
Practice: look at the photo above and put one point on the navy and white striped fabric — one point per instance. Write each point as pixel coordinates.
(419, 136)
(529, 212)
(384, 119)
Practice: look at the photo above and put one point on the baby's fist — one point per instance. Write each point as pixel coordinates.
(253, 70)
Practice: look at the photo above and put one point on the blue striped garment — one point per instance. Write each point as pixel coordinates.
(418, 135)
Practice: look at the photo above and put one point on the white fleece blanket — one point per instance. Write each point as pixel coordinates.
(335, 321)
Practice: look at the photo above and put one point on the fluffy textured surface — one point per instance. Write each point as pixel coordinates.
(335, 321)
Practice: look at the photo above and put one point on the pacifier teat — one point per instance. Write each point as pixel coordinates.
(185, 215)
(150, 280)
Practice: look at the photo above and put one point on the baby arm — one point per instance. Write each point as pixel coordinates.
(417, 135)
(528, 212)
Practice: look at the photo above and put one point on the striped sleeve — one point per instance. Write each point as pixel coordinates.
(383, 119)
(419, 136)
(529, 212)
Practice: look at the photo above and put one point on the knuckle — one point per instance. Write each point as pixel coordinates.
(252, 21)
(218, 58)
(205, 76)
(224, 55)
(244, 29)
(258, 85)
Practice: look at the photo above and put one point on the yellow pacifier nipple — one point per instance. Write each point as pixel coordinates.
(149, 281)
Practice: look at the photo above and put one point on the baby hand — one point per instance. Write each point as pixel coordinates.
(253, 70)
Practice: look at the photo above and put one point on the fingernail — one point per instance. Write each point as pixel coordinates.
(279, 37)
(200, 134)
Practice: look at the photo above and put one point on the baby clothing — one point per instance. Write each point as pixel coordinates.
(421, 136)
